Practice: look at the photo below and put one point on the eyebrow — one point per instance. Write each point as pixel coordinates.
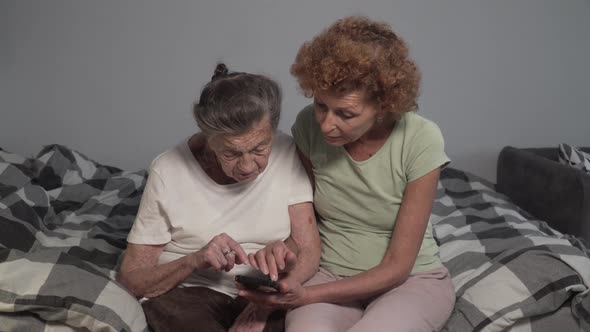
(348, 111)
(345, 109)
(340, 109)
(266, 141)
(232, 148)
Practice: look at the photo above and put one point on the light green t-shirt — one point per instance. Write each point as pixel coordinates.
(358, 202)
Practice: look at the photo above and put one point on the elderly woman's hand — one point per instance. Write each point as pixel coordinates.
(273, 259)
(291, 294)
(221, 253)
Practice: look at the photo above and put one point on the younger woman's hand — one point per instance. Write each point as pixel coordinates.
(291, 294)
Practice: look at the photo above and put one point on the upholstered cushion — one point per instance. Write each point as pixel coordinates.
(572, 156)
(555, 193)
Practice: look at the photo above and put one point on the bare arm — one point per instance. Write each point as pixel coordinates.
(400, 257)
(305, 237)
(142, 275)
(297, 258)
(306, 240)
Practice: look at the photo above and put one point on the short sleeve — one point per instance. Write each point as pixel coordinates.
(427, 151)
(300, 190)
(302, 130)
(151, 225)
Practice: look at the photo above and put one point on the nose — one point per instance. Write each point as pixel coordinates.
(326, 122)
(247, 164)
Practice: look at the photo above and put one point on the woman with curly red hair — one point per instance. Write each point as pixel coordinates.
(375, 165)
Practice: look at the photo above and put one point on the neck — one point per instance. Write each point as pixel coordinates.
(380, 131)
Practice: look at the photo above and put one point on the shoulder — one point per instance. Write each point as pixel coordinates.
(282, 141)
(305, 116)
(170, 160)
(417, 122)
(417, 126)
(283, 146)
(306, 112)
(306, 130)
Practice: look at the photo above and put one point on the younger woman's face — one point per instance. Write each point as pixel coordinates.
(344, 118)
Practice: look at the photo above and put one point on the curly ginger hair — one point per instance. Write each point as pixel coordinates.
(358, 54)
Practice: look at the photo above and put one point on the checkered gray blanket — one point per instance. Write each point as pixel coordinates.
(64, 220)
(511, 272)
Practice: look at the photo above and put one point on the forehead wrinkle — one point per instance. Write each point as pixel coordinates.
(351, 101)
(248, 141)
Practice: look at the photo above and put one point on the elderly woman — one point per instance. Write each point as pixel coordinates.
(375, 164)
(232, 199)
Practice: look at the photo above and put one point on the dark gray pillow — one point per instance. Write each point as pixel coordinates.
(572, 156)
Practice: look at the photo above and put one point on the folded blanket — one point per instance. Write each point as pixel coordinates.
(64, 220)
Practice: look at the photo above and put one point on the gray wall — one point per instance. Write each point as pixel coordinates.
(116, 79)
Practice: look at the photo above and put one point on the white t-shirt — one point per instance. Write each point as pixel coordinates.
(184, 208)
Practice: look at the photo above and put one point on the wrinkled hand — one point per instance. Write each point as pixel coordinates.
(251, 319)
(291, 295)
(273, 259)
(220, 254)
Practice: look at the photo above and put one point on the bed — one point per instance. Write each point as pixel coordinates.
(64, 219)
(511, 271)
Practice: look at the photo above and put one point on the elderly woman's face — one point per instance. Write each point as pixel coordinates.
(343, 118)
(244, 157)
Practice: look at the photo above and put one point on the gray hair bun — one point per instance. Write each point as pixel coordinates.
(220, 71)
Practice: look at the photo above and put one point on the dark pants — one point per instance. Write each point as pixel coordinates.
(199, 309)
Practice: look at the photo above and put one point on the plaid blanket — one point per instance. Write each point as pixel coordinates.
(511, 272)
(64, 220)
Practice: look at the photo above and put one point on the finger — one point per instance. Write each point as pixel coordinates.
(222, 253)
(253, 261)
(230, 257)
(221, 260)
(240, 255)
(220, 242)
(261, 259)
(279, 253)
(215, 252)
(272, 266)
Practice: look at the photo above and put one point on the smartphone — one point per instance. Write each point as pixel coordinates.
(263, 284)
